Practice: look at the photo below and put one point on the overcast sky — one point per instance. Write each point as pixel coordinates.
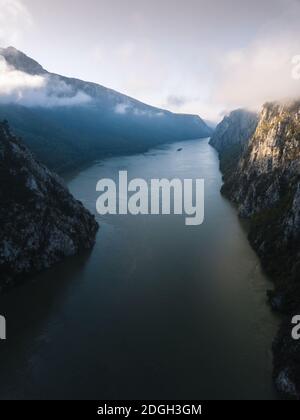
(199, 56)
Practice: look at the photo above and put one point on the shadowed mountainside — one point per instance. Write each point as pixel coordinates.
(40, 222)
(68, 122)
(231, 137)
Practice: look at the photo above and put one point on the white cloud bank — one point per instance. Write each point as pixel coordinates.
(22, 88)
(36, 90)
(198, 57)
(261, 73)
(205, 57)
(123, 108)
(14, 82)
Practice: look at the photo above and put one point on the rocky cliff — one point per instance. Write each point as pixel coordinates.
(40, 222)
(231, 138)
(265, 186)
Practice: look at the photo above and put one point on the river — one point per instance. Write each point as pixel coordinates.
(157, 310)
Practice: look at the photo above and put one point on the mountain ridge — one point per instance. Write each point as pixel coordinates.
(83, 121)
(22, 62)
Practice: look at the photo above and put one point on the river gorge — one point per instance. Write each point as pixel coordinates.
(157, 310)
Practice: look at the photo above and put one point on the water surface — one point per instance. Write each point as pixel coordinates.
(157, 310)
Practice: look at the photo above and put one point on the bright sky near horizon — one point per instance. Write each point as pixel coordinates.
(198, 56)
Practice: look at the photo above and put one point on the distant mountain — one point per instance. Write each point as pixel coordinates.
(231, 137)
(40, 222)
(21, 62)
(67, 122)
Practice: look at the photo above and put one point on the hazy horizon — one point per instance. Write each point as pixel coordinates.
(199, 57)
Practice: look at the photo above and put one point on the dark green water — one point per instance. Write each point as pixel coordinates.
(157, 310)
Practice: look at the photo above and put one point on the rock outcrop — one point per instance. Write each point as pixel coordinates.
(265, 186)
(40, 222)
(231, 138)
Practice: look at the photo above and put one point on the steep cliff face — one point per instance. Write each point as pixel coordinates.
(231, 138)
(265, 186)
(40, 221)
(236, 128)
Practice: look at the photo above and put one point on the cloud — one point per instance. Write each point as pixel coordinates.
(14, 81)
(150, 114)
(200, 57)
(260, 73)
(123, 108)
(177, 101)
(263, 69)
(14, 20)
(30, 90)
